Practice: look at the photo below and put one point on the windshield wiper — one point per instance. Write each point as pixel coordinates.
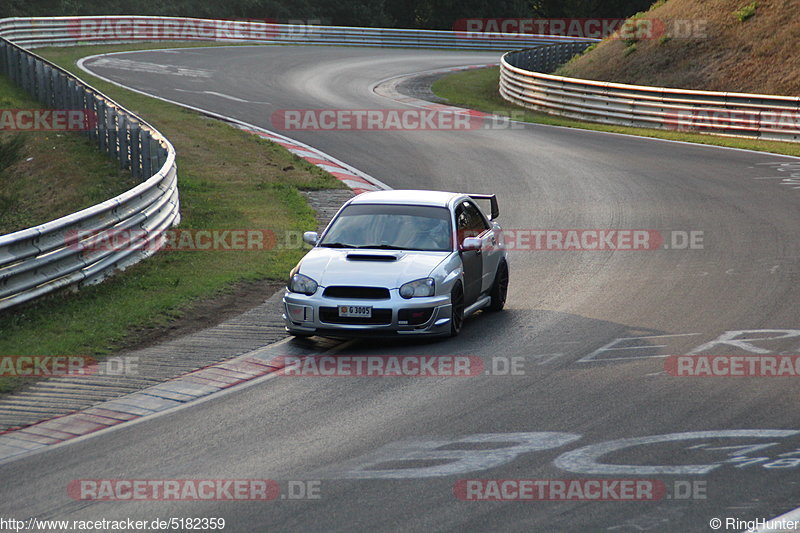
(338, 245)
(384, 247)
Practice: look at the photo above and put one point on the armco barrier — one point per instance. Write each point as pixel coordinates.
(524, 80)
(38, 260)
(66, 31)
(41, 259)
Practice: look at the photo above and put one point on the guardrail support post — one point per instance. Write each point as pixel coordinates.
(155, 150)
(136, 153)
(102, 126)
(144, 143)
(122, 141)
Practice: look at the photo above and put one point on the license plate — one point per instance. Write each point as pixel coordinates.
(355, 311)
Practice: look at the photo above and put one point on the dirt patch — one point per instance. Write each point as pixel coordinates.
(203, 314)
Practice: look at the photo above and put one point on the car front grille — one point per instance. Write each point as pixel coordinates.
(360, 293)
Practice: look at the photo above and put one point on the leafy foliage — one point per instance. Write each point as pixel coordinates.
(746, 12)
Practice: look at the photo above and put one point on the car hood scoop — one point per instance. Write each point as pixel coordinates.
(383, 258)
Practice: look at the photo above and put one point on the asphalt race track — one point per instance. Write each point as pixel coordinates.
(588, 331)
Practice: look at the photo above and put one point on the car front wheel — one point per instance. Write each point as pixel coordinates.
(499, 289)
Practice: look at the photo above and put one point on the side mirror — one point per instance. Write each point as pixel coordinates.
(310, 237)
(471, 243)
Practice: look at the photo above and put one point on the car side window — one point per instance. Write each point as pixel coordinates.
(469, 222)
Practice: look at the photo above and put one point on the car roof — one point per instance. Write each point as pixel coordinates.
(407, 197)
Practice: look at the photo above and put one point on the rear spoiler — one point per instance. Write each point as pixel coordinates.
(492, 199)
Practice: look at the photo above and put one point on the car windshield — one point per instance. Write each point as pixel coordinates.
(391, 227)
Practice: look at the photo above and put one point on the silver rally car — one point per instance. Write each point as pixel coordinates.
(399, 263)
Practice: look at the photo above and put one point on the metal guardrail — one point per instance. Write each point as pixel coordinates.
(38, 260)
(41, 259)
(524, 80)
(64, 31)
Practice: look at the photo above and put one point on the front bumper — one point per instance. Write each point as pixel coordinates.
(392, 317)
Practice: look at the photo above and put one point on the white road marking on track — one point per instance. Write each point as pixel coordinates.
(145, 66)
(735, 339)
(592, 357)
(544, 358)
(221, 95)
(586, 460)
(774, 524)
(459, 460)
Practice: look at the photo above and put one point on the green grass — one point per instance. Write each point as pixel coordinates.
(228, 179)
(478, 89)
(34, 165)
(746, 12)
(10, 150)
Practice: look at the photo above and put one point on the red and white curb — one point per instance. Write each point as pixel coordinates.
(356, 180)
(353, 178)
(175, 392)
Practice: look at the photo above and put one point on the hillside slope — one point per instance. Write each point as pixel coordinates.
(760, 54)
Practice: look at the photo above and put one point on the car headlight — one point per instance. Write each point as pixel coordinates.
(417, 288)
(302, 284)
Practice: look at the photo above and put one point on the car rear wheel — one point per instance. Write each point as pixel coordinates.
(499, 289)
(457, 309)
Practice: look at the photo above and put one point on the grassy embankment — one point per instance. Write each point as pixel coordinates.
(733, 45)
(228, 179)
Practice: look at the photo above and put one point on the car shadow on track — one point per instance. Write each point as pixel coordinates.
(542, 336)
